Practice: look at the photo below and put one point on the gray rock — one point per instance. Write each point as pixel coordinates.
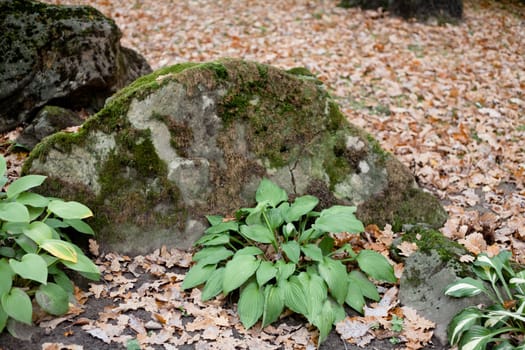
(49, 120)
(196, 139)
(66, 56)
(427, 273)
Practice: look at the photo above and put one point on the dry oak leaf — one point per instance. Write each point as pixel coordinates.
(407, 248)
(474, 243)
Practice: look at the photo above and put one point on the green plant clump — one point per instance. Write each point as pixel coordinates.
(502, 325)
(281, 255)
(34, 249)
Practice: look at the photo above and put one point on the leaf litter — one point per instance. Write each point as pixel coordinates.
(446, 100)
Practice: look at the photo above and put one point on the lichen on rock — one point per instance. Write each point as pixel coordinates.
(195, 139)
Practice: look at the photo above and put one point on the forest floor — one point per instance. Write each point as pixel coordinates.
(447, 100)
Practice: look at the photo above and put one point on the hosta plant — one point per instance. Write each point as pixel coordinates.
(500, 325)
(282, 255)
(34, 250)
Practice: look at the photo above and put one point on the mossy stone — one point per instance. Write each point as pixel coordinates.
(195, 139)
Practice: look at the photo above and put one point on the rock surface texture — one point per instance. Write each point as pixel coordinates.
(67, 56)
(196, 139)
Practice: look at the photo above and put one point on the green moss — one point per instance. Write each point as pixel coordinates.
(61, 140)
(273, 103)
(417, 207)
(336, 163)
(135, 167)
(377, 149)
(335, 117)
(428, 241)
(301, 71)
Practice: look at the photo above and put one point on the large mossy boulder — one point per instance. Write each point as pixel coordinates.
(66, 56)
(196, 139)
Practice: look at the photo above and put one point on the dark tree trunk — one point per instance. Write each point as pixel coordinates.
(443, 10)
(446, 10)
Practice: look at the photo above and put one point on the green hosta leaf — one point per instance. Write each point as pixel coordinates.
(376, 266)
(214, 219)
(270, 192)
(265, 272)
(338, 219)
(367, 288)
(52, 299)
(213, 285)
(313, 252)
(250, 250)
(310, 234)
(14, 228)
(212, 255)
(288, 230)
(284, 270)
(6, 276)
(335, 276)
(238, 270)
(251, 304)
(273, 304)
(38, 232)
(275, 217)
(338, 223)
(223, 227)
(55, 223)
(32, 199)
(61, 279)
(301, 206)
(255, 214)
(35, 213)
(31, 267)
(17, 305)
(355, 298)
(315, 292)
(519, 279)
(465, 287)
(23, 184)
(69, 210)
(80, 226)
(485, 273)
(61, 249)
(27, 244)
(83, 265)
(258, 233)
(327, 245)
(3, 168)
(294, 295)
(496, 316)
(213, 239)
(462, 322)
(3, 318)
(49, 259)
(477, 338)
(292, 250)
(13, 212)
(198, 274)
(331, 313)
(7, 252)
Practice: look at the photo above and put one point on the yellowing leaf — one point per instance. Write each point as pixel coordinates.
(61, 249)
